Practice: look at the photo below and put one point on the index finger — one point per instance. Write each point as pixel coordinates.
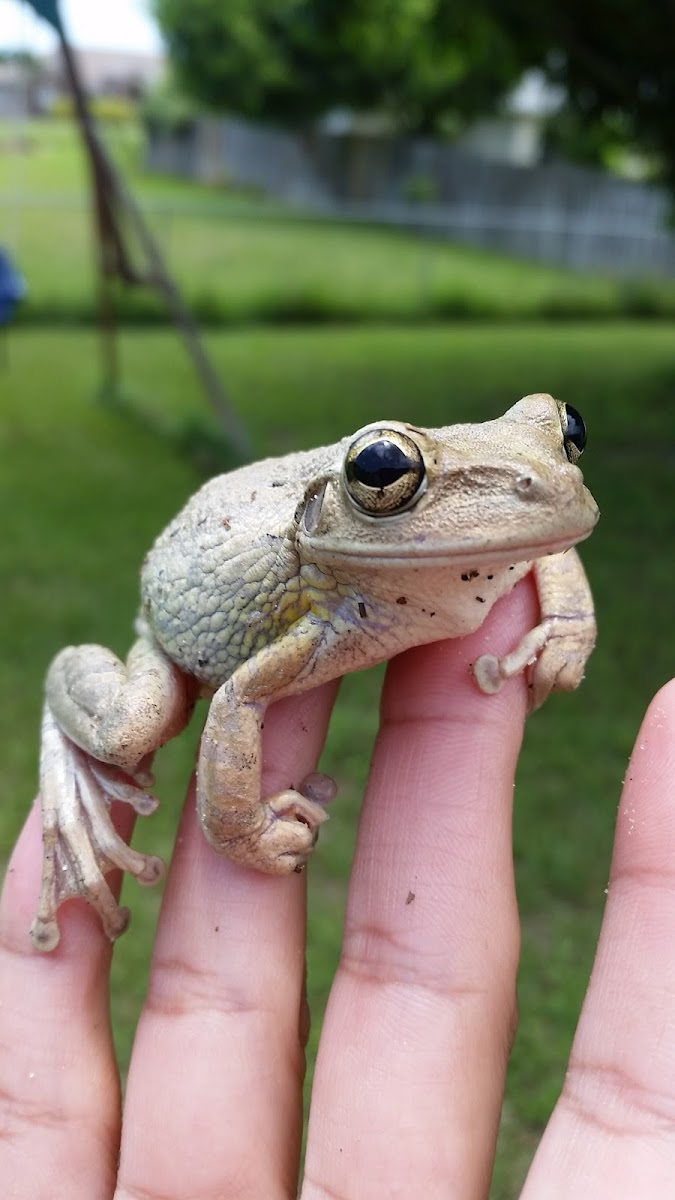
(59, 1086)
(214, 1095)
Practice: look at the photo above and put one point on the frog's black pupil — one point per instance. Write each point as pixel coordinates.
(575, 430)
(380, 464)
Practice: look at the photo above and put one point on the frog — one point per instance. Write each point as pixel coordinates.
(282, 575)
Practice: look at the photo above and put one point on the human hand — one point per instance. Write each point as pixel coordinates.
(410, 1074)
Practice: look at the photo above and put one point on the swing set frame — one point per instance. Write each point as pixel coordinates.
(117, 217)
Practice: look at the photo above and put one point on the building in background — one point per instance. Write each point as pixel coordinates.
(515, 133)
(106, 72)
(16, 89)
(32, 86)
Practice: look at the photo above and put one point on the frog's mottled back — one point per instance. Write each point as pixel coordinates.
(223, 579)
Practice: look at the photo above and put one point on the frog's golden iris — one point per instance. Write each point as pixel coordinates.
(384, 472)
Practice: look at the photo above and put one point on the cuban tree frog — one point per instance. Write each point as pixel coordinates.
(290, 572)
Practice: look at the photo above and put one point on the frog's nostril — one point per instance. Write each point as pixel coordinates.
(524, 483)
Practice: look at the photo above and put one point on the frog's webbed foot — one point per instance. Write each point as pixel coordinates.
(285, 834)
(553, 654)
(491, 672)
(103, 721)
(80, 842)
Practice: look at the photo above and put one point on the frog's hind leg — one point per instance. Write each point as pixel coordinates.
(102, 722)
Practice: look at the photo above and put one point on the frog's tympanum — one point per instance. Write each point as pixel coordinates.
(285, 574)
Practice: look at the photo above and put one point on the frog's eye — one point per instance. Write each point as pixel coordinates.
(574, 432)
(384, 472)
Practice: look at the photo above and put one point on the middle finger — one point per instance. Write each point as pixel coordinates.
(410, 1073)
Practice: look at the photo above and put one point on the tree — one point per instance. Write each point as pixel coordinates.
(291, 60)
(615, 60)
(429, 63)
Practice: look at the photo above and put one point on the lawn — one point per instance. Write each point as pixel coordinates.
(241, 259)
(84, 489)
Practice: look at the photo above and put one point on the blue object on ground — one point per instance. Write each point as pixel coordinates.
(12, 287)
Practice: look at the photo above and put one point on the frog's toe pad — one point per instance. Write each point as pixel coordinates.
(319, 788)
(487, 674)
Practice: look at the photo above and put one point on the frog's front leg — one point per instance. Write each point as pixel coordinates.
(275, 834)
(102, 722)
(556, 651)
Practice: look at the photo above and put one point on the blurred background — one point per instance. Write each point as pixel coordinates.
(293, 218)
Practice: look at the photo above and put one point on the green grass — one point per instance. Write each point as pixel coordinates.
(84, 489)
(241, 259)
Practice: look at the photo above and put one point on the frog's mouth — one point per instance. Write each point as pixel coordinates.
(413, 555)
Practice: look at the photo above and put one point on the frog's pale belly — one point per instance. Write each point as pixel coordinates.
(391, 609)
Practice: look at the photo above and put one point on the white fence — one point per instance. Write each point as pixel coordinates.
(585, 219)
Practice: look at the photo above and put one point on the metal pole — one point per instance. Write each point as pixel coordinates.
(111, 197)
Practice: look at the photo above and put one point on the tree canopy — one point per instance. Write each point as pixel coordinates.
(432, 64)
(290, 60)
(615, 61)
